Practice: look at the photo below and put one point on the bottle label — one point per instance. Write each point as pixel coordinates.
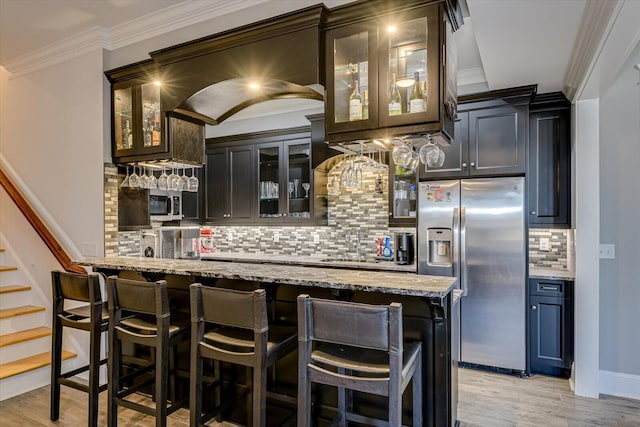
(416, 105)
(355, 110)
(395, 109)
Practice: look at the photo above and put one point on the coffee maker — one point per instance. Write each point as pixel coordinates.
(405, 248)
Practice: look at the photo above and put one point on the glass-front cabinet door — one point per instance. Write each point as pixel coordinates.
(403, 201)
(123, 120)
(137, 119)
(299, 182)
(409, 74)
(269, 156)
(150, 125)
(352, 78)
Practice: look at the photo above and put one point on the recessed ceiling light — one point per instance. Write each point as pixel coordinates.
(157, 83)
(391, 28)
(254, 85)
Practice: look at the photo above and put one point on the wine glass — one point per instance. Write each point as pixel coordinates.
(291, 190)
(306, 187)
(184, 181)
(125, 181)
(174, 181)
(193, 182)
(134, 179)
(152, 181)
(163, 181)
(296, 185)
(144, 179)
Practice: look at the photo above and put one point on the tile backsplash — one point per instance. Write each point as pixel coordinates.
(360, 211)
(555, 256)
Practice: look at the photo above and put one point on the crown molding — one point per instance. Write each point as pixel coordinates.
(470, 76)
(597, 20)
(162, 21)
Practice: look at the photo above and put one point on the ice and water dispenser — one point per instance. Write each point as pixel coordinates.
(440, 240)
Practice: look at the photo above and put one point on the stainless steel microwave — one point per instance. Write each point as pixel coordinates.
(165, 205)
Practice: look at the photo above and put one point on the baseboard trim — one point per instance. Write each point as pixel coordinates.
(620, 384)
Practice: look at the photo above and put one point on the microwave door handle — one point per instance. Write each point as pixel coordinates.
(463, 249)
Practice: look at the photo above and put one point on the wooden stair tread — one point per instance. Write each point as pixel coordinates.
(14, 288)
(18, 311)
(26, 335)
(30, 363)
(7, 268)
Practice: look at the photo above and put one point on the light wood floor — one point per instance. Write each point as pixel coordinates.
(486, 399)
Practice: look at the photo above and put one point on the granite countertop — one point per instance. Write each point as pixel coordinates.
(318, 261)
(550, 273)
(334, 278)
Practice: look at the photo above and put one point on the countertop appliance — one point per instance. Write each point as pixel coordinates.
(474, 229)
(405, 248)
(179, 242)
(165, 205)
(149, 243)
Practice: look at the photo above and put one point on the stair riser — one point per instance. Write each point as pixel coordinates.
(23, 349)
(19, 384)
(27, 321)
(9, 277)
(15, 299)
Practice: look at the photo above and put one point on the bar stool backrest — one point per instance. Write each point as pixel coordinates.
(138, 297)
(76, 287)
(228, 307)
(353, 324)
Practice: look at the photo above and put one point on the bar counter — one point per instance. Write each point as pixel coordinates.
(430, 311)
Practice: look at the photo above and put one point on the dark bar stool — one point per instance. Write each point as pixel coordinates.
(91, 318)
(231, 326)
(147, 322)
(358, 347)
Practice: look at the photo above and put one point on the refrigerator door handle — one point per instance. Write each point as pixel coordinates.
(463, 250)
(455, 226)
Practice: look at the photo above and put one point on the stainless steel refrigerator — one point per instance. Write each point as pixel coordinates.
(474, 229)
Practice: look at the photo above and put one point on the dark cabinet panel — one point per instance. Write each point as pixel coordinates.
(549, 169)
(456, 155)
(216, 185)
(551, 326)
(192, 202)
(498, 141)
(241, 184)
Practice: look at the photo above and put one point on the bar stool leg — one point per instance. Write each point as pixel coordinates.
(56, 367)
(417, 394)
(195, 385)
(259, 397)
(113, 387)
(304, 393)
(395, 405)
(94, 374)
(162, 369)
(342, 403)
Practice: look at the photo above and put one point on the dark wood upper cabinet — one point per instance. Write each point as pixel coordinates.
(491, 137)
(549, 162)
(387, 73)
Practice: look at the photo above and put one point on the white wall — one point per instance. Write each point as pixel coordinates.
(51, 135)
(619, 215)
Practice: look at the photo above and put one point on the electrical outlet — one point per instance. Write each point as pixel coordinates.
(607, 251)
(229, 236)
(544, 244)
(316, 239)
(276, 237)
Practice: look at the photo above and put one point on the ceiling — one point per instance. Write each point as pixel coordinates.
(502, 44)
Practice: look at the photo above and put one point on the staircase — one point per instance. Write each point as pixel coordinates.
(25, 335)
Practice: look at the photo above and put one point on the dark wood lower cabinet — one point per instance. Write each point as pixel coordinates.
(551, 326)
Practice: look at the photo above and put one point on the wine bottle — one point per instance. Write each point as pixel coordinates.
(355, 103)
(365, 106)
(423, 87)
(127, 137)
(416, 101)
(395, 108)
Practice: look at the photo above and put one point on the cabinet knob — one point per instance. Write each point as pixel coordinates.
(464, 165)
(284, 214)
(533, 212)
(534, 307)
(390, 213)
(473, 164)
